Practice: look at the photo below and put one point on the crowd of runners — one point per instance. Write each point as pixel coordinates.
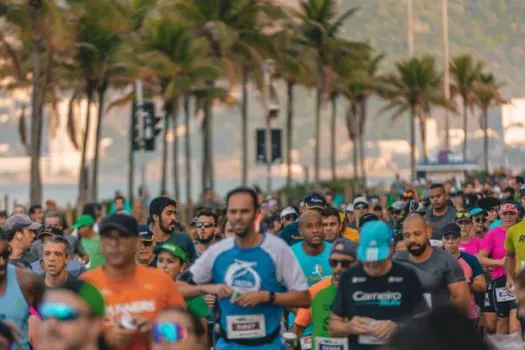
(432, 266)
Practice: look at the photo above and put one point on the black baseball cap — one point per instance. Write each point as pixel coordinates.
(363, 219)
(488, 203)
(451, 229)
(50, 231)
(126, 224)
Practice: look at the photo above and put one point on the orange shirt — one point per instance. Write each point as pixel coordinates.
(304, 315)
(145, 294)
(351, 234)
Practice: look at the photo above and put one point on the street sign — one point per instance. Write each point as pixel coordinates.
(261, 146)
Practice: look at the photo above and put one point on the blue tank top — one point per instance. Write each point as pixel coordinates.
(14, 307)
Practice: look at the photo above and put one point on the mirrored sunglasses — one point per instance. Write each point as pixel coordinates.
(168, 332)
(204, 225)
(59, 311)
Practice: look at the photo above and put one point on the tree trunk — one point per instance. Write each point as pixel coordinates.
(423, 131)
(486, 140)
(289, 131)
(351, 113)
(363, 110)
(317, 125)
(187, 149)
(465, 130)
(168, 105)
(83, 176)
(205, 146)
(176, 178)
(244, 122)
(131, 161)
(35, 187)
(333, 100)
(412, 143)
(100, 117)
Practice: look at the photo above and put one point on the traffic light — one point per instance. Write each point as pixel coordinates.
(135, 128)
(151, 127)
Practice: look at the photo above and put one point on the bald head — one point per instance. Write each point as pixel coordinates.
(416, 234)
(415, 219)
(308, 216)
(311, 228)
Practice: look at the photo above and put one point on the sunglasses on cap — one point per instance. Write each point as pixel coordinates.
(344, 263)
(168, 332)
(59, 311)
(290, 217)
(204, 225)
(463, 216)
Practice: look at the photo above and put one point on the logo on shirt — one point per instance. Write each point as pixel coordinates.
(393, 279)
(358, 279)
(381, 299)
(242, 276)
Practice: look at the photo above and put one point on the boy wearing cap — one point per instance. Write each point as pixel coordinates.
(375, 295)
(342, 257)
(174, 261)
(145, 255)
(90, 241)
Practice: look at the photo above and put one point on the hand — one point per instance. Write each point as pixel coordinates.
(502, 262)
(219, 290)
(249, 299)
(360, 325)
(120, 337)
(142, 324)
(384, 329)
(509, 284)
(210, 300)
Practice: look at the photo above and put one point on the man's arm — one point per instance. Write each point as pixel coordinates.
(192, 291)
(479, 284)
(459, 294)
(32, 287)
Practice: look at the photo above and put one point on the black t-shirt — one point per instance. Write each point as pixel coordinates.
(183, 241)
(394, 296)
(69, 279)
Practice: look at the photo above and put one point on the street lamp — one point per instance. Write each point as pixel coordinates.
(271, 110)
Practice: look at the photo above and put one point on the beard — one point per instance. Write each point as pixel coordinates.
(166, 229)
(417, 249)
(207, 240)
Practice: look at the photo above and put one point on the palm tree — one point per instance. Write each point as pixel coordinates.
(319, 24)
(415, 87)
(487, 95)
(465, 72)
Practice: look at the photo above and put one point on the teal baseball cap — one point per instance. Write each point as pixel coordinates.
(374, 241)
(477, 211)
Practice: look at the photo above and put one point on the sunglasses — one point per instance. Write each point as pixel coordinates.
(360, 206)
(494, 209)
(204, 225)
(147, 243)
(462, 215)
(344, 263)
(60, 312)
(509, 213)
(290, 217)
(480, 220)
(168, 332)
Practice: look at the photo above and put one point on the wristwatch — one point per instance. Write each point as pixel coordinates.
(272, 298)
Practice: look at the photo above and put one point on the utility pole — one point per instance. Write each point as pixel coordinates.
(140, 115)
(410, 28)
(446, 80)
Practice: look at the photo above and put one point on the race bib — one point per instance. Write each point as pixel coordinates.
(247, 326)
(503, 294)
(306, 343)
(370, 340)
(322, 343)
(428, 299)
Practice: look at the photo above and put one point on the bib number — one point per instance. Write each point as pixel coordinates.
(322, 343)
(370, 340)
(246, 327)
(306, 343)
(503, 295)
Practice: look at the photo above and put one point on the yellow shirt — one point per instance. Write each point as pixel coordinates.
(351, 234)
(515, 243)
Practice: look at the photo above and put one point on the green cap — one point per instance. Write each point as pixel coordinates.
(84, 220)
(173, 249)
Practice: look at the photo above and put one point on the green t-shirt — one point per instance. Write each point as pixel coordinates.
(322, 311)
(198, 307)
(515, 243)
(92, 248)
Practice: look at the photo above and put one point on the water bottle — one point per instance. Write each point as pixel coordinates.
(290, 340)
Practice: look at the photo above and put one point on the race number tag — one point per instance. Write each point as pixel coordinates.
(331, 343)
(503, 294)
(370, 340)
(247, 326)
(428, 299)
(306, 343)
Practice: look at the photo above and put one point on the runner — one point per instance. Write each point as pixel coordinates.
(206, 225)
(515, 246)
(491, 206)
(19, 290)
(360, 206)
(72, 318)
(479, 220)
(90, 241)
(469, 242)
(472, 269)
(163, 216)
(334, 228)
(177, 329)
(498, 315)
(440, 274)
(20, 232)
(145, 255)
(288, 216)
(263, 273)
(342, 257)
(174, 261)
(55, 261)
(374, 296)
(440, 212)
(133, 294)
(290, 233)
(53, 219)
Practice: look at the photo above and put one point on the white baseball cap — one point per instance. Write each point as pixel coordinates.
(360, 201)
(288, 211)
